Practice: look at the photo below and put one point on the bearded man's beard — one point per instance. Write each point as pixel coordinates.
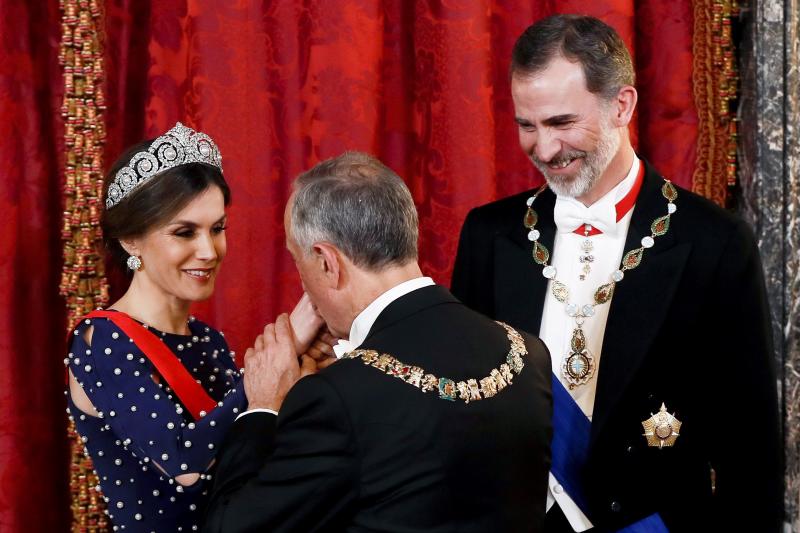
(592, 167)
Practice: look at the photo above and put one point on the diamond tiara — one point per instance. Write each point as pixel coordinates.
(179, 146)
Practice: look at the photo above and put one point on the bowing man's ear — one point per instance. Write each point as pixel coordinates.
(329, 263)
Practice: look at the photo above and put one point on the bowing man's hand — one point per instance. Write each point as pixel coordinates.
(272, 366)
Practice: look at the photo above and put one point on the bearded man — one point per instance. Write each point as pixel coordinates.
(650, 299)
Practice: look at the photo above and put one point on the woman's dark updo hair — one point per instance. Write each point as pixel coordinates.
(155, 202)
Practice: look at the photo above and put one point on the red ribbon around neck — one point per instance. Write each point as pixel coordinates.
(189, 391)
(622, 207)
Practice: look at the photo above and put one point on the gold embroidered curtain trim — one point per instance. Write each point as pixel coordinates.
(83, 281)
(715, 82)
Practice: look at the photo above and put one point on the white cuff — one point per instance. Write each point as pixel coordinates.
(257, 411)
(556, 495)
(342, 347)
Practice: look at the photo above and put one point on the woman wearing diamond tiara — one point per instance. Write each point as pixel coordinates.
(152, 390)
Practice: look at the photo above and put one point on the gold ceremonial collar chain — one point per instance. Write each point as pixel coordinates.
(579, 365)
(468, 390)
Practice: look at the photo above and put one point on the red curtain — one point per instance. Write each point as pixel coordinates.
(33, 448)
(423, 85)
(279, 85)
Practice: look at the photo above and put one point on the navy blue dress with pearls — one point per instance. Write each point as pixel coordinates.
(144, 436)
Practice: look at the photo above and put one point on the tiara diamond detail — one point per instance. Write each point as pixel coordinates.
(178, 146)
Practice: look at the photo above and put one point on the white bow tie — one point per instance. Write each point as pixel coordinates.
(570, 214)
(342, 347)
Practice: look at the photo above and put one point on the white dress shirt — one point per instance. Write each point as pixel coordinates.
(556, 327)
(360, 327)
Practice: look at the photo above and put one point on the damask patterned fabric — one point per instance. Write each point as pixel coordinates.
(280, 85)
(33, 450)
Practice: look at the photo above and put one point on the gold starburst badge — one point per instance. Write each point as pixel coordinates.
(661, 429)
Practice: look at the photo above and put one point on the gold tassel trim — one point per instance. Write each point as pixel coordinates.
(715, 81)
(83, 281)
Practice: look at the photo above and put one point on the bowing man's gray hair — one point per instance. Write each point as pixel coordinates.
(359, 205)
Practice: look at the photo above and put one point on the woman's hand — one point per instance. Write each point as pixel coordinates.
(321, 350)
(306, 324)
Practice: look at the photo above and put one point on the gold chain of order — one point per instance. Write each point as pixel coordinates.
(468, 390)
(579, 355)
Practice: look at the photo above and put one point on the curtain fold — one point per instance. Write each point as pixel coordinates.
(33, 446)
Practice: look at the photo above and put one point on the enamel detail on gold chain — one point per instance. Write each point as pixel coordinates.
(579, 365)
(469, 390)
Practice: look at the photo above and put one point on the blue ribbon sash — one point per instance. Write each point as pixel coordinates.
(570, 450)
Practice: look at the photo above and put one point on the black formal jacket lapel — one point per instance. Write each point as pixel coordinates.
(641, 300)
(520, 288)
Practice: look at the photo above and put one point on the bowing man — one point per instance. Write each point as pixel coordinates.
(434, 419)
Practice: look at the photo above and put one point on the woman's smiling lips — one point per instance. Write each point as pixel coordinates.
(200, 274)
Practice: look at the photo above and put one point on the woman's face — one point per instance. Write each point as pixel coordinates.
(182, 257)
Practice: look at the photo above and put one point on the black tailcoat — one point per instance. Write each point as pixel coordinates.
(354, 449)
(690, 328)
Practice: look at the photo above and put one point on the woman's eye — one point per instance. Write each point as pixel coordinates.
(186, 234)
(219, 229)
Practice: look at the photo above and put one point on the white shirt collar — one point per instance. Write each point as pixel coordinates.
(623, 187)
(366, 318)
